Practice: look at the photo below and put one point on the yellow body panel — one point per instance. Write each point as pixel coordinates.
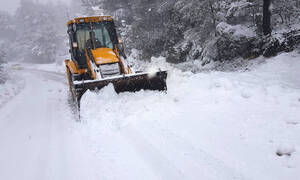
(104, 56)
(73, 68)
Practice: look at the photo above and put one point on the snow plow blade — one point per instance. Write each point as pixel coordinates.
(126, 83)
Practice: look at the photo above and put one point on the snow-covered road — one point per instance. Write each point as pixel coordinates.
(36, 136)
(208, 126)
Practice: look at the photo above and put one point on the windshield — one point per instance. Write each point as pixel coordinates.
(103, 35)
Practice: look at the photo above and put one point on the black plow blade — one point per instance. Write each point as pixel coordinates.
(126, 83)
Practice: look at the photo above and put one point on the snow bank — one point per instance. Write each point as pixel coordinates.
(8, 90)
(213, 125)
(12, 86)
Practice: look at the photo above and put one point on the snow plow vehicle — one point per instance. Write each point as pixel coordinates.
(98, 59)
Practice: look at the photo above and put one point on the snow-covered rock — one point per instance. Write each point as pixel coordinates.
(285, 150)
(235, 32)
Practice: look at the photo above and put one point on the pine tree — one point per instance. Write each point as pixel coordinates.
(37, 32)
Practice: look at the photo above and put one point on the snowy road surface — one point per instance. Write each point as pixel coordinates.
(208, 126)
(36, 139)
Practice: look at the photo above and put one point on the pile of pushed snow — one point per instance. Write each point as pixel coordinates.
(154, 64)
(116, 110)
(243, 125)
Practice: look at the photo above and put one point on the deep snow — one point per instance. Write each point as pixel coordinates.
(212, 125)
(215, 125)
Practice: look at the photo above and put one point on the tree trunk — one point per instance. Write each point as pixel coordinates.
(213, 17)
(267, 17)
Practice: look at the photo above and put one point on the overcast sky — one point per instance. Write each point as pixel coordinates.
(11, 5)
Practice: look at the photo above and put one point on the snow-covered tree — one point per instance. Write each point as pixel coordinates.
(7, 34)
(286, 10)
(181, 29)
(37, 34)
(7, 31)
(3, 74)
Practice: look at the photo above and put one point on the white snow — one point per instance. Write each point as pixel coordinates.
(12, 86)
(37, 137)
(238, 8)
(56, 68)
(210, 126)
(236, 31)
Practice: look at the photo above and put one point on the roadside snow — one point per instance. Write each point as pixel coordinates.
(12, 86)
(215, 125)
(15, 83)
(9, 89)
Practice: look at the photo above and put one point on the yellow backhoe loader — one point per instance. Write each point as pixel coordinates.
(98, 59)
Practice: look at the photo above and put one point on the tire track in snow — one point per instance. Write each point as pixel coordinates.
(185, 161)
(49, 75)
(35, 137)
(152, 156)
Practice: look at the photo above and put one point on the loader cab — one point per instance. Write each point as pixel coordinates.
(86, 34)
